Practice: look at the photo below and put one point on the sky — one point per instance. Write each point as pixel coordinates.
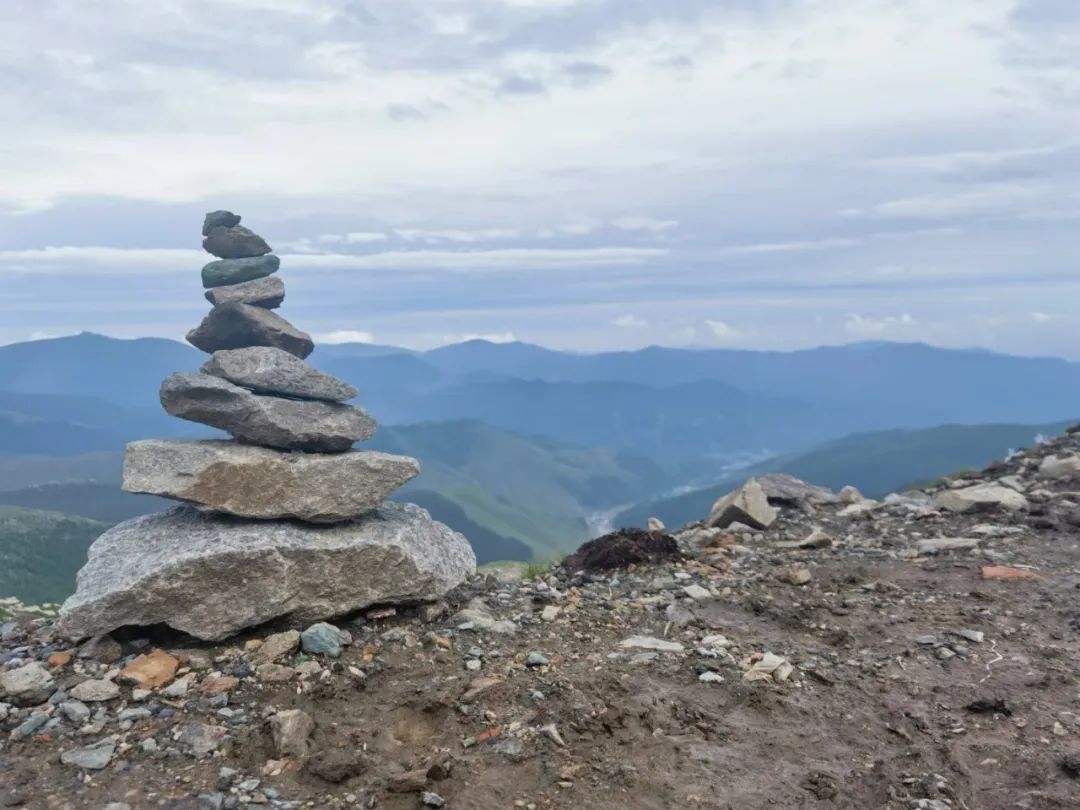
(583, 174)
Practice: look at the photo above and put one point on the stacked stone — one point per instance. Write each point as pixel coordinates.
(286, 518)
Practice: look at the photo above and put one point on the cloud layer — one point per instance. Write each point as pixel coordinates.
(581, 173)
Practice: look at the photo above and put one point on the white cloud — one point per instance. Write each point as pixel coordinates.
(645, 224)
(457, 235)
(629, 321)
(1044, 317)
(345, 336)
(364, 237)
(862, 325)
(490, 337)
(722, 331)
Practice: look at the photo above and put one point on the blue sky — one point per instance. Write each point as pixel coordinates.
(587, 174)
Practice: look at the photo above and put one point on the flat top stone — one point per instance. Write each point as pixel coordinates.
(219, 219)
(237, 326)
(275, 371)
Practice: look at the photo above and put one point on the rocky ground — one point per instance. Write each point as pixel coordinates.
(917, 653)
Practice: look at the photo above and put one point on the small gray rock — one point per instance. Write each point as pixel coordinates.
(201, 739)
(91, 757)
(268, 370)
(219, 219)
(285, 424)
(267, 293)
(27, 685)
(225, 272)
(237, 326)
(236, 242)
(29, 727)
(75, 712)
(94, 691)
(321, 639)
(291, 730)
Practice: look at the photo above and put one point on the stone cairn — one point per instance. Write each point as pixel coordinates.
(286, 519)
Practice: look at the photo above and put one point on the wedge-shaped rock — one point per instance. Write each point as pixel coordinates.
(236, 242)
(286, 424)
(212, 575)
(273, 371)
(267, 293)
(237, 326)
(748, 504)
(236, 271)
(258, 483)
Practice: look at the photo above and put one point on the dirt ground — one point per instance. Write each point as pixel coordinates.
(915, 682)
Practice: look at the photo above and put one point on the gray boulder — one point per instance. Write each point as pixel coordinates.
(287, 424)
(267, 292)
(212, 575)
(273, 371)
(92, 757)
(748, 505)
(236, 271)
(258, 483)
(237, 326)
(236, 242)
(219, 219)
(980, 498)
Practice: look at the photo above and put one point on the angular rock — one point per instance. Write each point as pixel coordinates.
(255, 482)
(267, 370)
(235, 242)
(151, 670)
(237, 326)
(225, 272)
(210, 575)
(267, 293)
(96, 690)
(321, 639)
(286, 424)
(91, 757)
(936, 545)
(27, 685)
(201, 739)
(748, 505)
(980, 498)
(278, 645)
(291, 730)
(219, 219)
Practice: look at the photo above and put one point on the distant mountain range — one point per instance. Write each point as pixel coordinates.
(529, 451)
(665, 403)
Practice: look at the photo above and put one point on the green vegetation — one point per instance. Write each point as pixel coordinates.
(40, 552)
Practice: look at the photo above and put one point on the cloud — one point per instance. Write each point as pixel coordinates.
(860, 325)
(722, 331)
(453, 235)
(646, 224)
(490, 337)
(518, 85)
(630, 322)
(585, 72)
(345, 336)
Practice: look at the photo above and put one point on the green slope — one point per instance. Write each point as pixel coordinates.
(877, 463)
(40, 552)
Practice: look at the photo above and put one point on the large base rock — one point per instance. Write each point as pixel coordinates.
(212, 576)
(287, 424)
(259, 483)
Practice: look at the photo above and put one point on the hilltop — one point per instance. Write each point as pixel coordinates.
(911, 652)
